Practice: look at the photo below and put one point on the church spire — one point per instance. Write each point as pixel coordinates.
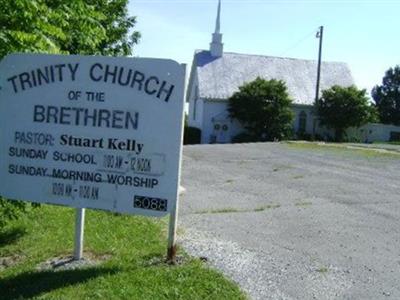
(218, 21)
(216, 46)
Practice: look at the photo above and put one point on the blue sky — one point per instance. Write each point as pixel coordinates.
(365, 34)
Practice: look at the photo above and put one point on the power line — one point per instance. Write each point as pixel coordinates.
(269, 2)
(296, 44)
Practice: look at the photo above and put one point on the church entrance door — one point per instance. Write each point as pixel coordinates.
(221, 132)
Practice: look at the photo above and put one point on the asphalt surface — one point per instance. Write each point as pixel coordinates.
(288, 222)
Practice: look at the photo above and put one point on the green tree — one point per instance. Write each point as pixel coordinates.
(69, 27)
(387, 97)
(263, 108)
(342, 107)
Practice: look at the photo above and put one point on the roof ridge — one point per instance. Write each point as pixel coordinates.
(272, 56)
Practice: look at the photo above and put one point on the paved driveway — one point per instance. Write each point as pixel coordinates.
(295, 221)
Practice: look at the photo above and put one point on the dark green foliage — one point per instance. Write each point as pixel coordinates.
(244, 137)
(394, 136)
(301, 135)
(191, 136)
(263, 108)
(12, 210)
(69, 27)
(387, 97)
(342, 107)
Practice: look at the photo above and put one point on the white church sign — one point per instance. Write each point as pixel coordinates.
(91, 132)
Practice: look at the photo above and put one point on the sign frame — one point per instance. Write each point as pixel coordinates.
(57, 98)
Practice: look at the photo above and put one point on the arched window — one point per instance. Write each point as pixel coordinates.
(302, 121)
(196, 96)
(194, 109)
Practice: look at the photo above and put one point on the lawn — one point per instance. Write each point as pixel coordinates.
(387, 143)
(133, 249)
(343, 150)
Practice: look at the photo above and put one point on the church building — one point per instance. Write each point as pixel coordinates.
(216, 75)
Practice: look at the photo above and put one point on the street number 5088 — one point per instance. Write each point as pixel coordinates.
(150, 203)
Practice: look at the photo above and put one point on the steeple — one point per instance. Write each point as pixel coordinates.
(218, 21)
(216, 46)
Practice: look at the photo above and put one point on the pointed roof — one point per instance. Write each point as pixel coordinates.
(218, 20)
(216, 46)
(220, 77)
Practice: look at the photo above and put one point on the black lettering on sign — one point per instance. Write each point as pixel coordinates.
(43, 76)
(33, 138)
(62, 189)
(135, 181)
(113, 161)
(88, 192)
(123, 76)
(27, 170)
(141, 165)
(79, 116)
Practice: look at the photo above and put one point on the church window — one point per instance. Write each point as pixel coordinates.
(302, 121)
(194, 108)
(196, 96)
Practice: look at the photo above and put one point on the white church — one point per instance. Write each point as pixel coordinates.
(215, 75)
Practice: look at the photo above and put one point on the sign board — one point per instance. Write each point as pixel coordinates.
(91, 132)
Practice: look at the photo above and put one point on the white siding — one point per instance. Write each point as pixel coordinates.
(217, 110)
(195, 105)
(372, 132)
(297, 109)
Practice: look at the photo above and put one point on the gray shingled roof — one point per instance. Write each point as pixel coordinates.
(220, 77)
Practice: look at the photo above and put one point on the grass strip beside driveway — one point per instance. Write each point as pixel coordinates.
(132, 248)
(344, 149)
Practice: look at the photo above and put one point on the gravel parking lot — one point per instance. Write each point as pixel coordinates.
(295, 221)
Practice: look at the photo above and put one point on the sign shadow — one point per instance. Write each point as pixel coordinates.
(34, 284)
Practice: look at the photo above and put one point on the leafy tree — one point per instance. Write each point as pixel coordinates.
(387, 97)
(67, 27)
(263, 108)
(343, 107)
(12, 210)
(119, 40)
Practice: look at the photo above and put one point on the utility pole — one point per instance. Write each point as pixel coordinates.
(319, 35)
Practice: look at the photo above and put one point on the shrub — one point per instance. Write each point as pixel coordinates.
(191, 136)
(342, 107)
(12, 210)
(301, 135)
(263, 107)
(387, 97)
(244, 137)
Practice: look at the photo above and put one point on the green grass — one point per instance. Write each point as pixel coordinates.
(265, 207)
(226, 210)
(341, 149)
(388, 143)
(322, 270)
(132, 243)
(235, 210)
(305, 203)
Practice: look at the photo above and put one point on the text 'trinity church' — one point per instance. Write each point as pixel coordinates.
(215, 75)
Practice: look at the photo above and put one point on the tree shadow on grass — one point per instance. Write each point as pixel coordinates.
(33, 284)
(10, 236)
